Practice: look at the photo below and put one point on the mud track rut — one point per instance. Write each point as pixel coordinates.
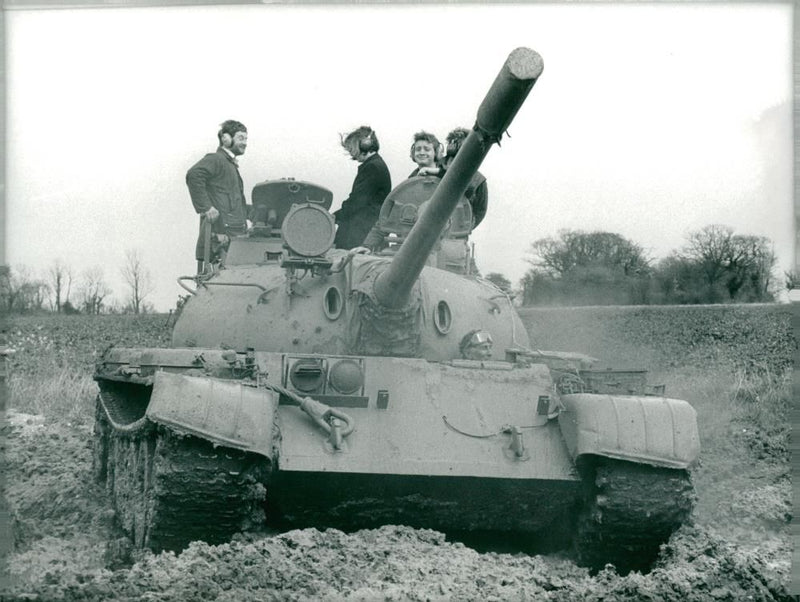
(169, 490)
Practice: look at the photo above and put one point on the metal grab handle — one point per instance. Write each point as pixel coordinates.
(194, 279)
(253, 284)
(206, 243)
(186, 288)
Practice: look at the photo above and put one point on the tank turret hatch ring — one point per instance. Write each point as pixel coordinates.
(308, 230)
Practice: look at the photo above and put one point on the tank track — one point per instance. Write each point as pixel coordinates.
(169, 490)
(629, 510)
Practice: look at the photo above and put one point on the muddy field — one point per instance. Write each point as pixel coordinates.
(730, 363)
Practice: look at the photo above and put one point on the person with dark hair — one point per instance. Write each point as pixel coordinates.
(372, 183)
(426, 152)
(477, 191)
(217, 192)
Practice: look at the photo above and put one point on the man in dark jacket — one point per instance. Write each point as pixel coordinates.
(217, 191)
(360, 210)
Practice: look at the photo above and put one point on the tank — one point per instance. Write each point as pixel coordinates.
(311, 386)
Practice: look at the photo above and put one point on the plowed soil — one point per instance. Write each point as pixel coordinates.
(67, 547)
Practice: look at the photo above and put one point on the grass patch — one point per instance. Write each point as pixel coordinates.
(51, 370)
(67, 395)
(762, 402)
(742, 478)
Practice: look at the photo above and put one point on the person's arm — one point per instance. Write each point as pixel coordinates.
(479, 203)
(374, 239)
(197, 179)
(437, 171)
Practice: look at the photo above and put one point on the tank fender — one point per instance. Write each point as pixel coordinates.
(649, 430)
(223, 412)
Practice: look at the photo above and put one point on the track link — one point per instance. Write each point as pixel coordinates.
(169, 490)
(629, 511)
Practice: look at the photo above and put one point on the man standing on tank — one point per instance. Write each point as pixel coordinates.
(360, 210)
(217, 191)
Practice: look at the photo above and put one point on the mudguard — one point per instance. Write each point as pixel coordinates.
(222, 412)
(649, 430)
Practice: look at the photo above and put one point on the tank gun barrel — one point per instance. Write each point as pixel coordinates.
(509, 90)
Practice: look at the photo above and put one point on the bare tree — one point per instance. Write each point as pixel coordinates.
(711, 248)
(577, 249)
(138, 279)
(792, 279)
(734, 266)
(39, 292)
(586, 268)
(60, 282)
(13, 289)
(93, 290)
(751, 268)
(5, 285)
(20, 291)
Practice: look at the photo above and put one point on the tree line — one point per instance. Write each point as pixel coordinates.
(60, 289)
(715, 265)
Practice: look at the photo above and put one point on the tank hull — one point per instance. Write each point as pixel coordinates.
(430, 448)
(409, 416)
(187, 438)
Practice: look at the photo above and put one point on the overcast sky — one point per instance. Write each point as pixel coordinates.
(649, 120)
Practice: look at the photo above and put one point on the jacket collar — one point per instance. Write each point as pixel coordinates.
(369, 159)
(230, 156)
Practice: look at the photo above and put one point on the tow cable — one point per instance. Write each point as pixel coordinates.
(516, 446)
(336, 423)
